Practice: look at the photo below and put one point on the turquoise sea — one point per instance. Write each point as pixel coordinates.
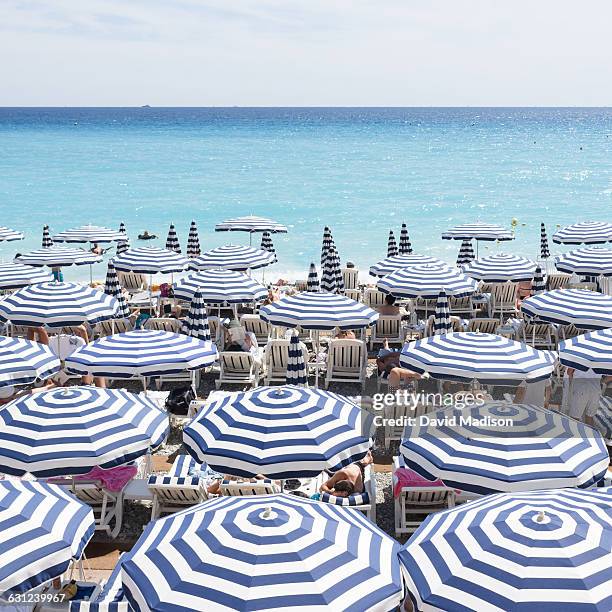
(362, 171)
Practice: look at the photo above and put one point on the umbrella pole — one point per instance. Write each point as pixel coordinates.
(318, 350)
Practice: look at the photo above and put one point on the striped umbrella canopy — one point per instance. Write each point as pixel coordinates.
(113, 288)
(327, 242)
(266, 243)
(592, 350)
(89, 233)
(442, 320)
(543, 550)
(44, 528)
(579, 307)
(602, 421)
(500, 447)
(586, 232)
(392, 250)
(589, 261)
(468, 356)
(544, 252)
(15, 275)
(220, 287)
(68, 431)
(296, 368)
(318, 311)
(23, 362)
(232, 257)
(46, 238)
(280, 432)
(150, 260)
(8, 235)
(193, 241)
(391, 264)
(272, 552)
(312, 283)
(500, 268)
(172, 241)
(142, 352)
(478, 231)
(466, 253)
(251, 224)
(122, 245)
(331, 277)
(58, 257)
(58, 305)
(196, 322)
(405, 248)
(538, 285)
(426, 281)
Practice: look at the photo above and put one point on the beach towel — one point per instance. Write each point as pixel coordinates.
(405, 477)
(113, 479)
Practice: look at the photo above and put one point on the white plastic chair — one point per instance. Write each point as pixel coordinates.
(350, 276)
(387, 327)
(237, 368)
(276, 360)
(346, 362)
(260, 328)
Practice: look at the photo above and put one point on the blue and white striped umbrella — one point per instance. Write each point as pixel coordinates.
(266, 243)
(327, 242)
(150, 260)
(579, 307)
(392, 250)
(113, 288)
(312, 284)
(196, 322)
(405, 248)
(15, 275)
(58, 305)
(272, 552)
(478, 231)
(220, 287)
(426, 281)
(89, 233)
(466, 253)
(500, 268)
(193, 241)
(442, 320)
(172, 241)
(602, 421)
(296, 368)
(586, 232)
(8, 235)
(592, 350)
(58, 257)
(251, 224)
(122, 245)
(468, 356)
(71, 430)
(44, 528)
(500, 447)
(46, 238)
(331, 276)
(544, 550)
(23, 362)
(318, 311)
(141, 352)
(538, 285)
(232, 257)
(544, 252)
(280, 432)
(391, 264)
(589, 261)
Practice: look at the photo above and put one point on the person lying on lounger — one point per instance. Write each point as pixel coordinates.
(348, 480)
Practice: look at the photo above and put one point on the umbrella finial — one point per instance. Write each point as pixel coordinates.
(541, 517)
(268, 514)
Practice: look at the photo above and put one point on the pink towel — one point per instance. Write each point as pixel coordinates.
(405, 477)
(113, 479)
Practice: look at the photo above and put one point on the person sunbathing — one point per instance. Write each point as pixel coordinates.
(348, 480)
(215, 487)
(389, 308)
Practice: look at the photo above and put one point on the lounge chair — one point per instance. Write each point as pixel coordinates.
(216, 331)
(364, 502)
(558, 281)
(164, 324)
(237, 368)
(112, 326)
(174, 493)
(483, 325)
(503, 299)
(569, 331)
(539, 335)
(346, 362)
(256, 325)
(373, 298)
(393, 415)
(387, 327)
(456, 325)
(239, 488)
(133, 281)
(353, 294)
(350, 276)
(461, 306)
(419, 501)
(276, 359)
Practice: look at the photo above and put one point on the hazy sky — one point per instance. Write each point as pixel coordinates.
(305, 52)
